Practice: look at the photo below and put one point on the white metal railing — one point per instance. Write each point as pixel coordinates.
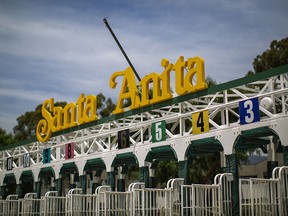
(118, 203)
(12, 205)
(225, 182)
(175, 186)
(31, 205)
(257, 196)
(100, 193)
(281, 173)
(245, 204)
(199, 199)
(263, 197)
(203, 199)
(80, 204)
(53, 204)
(2, 205)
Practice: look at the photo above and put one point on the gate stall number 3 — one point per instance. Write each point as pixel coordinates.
(249, 111)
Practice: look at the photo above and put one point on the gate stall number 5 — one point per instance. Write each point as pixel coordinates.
(158, 131)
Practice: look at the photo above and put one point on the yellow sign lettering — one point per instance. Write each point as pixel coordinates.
(161, 88)
(56, 118)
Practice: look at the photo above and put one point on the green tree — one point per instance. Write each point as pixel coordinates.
(166, 170)
(5, 139)
(27, 123)
(275, 56)
(104, 107)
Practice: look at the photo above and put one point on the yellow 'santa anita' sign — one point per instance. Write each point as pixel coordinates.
(56, 118)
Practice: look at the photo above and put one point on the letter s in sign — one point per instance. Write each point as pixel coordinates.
(249, 111)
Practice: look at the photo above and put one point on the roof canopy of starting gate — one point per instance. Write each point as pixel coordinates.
(203, 146)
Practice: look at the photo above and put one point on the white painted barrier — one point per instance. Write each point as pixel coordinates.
(12, 205)
(31, 205)
(80, 204)
(100, 200)
(202, 199)
(53, 204)
(281, 173)
(2, 206)
(257, 197)
(118, 203)
(265, 196)
(225, 182)
(175, 186)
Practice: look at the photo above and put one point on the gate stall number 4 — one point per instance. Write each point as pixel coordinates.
(249, 111)
(200, 122)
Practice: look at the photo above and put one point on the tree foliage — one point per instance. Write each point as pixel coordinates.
(27, 123)
(275, 56)
(104, 107)
(5, 139)
(166, 170)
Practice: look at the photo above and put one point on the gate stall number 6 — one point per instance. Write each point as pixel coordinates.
(123, 139)
(249, 111)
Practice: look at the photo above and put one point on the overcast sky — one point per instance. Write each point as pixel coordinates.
(61, 48)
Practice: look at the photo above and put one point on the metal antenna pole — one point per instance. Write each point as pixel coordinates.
(122, 50)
